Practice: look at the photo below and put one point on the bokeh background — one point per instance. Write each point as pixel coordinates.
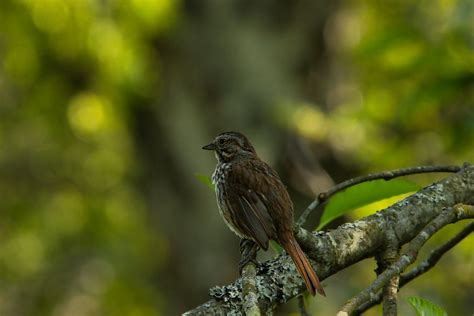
(104, 107)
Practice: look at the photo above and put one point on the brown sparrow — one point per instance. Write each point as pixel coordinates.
(254, 202)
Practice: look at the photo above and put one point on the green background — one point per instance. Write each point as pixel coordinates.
(104, 106)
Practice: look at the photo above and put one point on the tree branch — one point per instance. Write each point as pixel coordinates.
(448, 216)
(301, 306)
(386, 175)
(390, 296)
(422, 268)
(277, 280)
(249, 290)
(388, 257)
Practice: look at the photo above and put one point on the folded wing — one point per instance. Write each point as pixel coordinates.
(252, 202)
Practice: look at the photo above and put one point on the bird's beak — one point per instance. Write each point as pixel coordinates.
(211, 146)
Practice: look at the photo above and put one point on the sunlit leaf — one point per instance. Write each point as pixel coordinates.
(426, 308)
(205, 180)
(371, 208)
(363, 194)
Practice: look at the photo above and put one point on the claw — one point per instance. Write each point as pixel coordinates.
(248, 250)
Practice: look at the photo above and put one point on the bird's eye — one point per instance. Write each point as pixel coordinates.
(221, 141)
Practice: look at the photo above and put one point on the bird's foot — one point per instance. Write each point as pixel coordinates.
(248, 249)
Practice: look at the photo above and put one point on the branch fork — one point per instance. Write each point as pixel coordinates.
(276, 281)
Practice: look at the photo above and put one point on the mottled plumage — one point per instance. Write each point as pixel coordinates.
(254, 202)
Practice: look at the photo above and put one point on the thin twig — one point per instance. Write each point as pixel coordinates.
(387, 258)
(449, 215)
(390, 297)
(422, 268)
(386, 175)
(302, 307)
(249, 273)
(249, 290)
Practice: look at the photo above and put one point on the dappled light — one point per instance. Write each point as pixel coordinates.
(105, 105)
(86, 114)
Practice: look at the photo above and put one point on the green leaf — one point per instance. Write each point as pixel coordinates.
(205, 180)
(426, 308)
(363, 194)
(277, 249)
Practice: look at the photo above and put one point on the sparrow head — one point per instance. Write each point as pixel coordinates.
(231, 145)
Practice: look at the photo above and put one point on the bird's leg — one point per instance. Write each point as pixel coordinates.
(248, 250)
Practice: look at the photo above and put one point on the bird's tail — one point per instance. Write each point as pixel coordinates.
(304, 267)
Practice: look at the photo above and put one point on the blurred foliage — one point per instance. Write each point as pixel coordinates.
(75, 235)
(206, 180)
(410, 82)
(104, 106)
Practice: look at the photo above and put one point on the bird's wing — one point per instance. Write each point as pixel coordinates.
(254, 197)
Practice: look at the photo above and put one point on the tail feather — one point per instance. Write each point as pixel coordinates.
(304, 267)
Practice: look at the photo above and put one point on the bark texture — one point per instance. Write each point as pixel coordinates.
(277, 280)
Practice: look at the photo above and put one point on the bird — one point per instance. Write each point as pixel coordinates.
(254, 202)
